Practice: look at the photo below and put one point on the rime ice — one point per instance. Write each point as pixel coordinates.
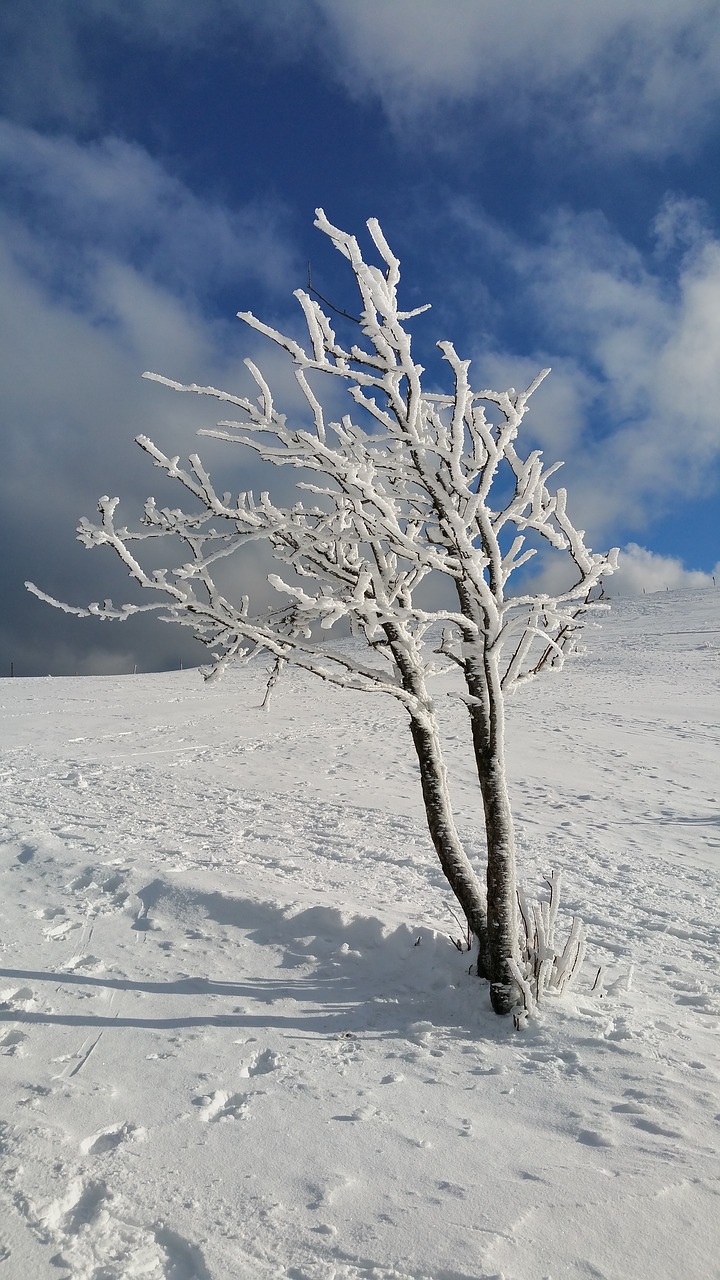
(401, 493)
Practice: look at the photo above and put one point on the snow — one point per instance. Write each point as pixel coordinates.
(236, 1039)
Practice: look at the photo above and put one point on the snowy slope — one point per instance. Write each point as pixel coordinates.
(236, 1040)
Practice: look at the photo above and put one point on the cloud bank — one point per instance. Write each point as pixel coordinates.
(633, 339)
(642, 571)
(643, 75)
(105, 264)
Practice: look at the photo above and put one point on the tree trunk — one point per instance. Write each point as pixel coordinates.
(453, 859)
(488, 725)
(502, 915)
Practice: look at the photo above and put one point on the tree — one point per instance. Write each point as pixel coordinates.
(400, 494)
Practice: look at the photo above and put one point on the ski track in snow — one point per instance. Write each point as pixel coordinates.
(235, 1039)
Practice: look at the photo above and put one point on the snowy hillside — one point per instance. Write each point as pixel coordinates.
(236, 1040)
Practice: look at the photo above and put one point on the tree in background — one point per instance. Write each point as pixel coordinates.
(410, 487)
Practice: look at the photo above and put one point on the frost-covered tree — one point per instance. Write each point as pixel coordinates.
(411, 485)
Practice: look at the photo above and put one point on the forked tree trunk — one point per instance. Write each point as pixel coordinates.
(494, 923)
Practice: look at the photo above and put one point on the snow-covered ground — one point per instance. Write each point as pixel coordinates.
(237, 1041)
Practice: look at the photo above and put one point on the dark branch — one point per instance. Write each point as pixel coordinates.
(338, 311)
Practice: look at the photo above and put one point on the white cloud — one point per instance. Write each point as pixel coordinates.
(641, 571)
(557, 417)
(681, 224)
(83, 314)
(111, 196)
(642, 74)
(73, 401)
(631, 404)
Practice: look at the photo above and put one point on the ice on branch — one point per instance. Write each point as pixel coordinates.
(545, 968)
(398, 492)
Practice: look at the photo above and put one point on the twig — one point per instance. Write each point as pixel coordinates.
(463, 929)
(338, 310)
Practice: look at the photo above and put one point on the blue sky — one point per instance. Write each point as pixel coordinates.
(548, 173)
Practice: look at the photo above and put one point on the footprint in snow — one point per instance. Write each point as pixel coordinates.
(113, 883)
(57, 932)
(19, 998)
(17, 1001)
(221, 1106)
(146, 924)
(80, 1204)
(366, 1112)
(261, 1064)
(452, 1189)
(107, 1140)
(95, 1230)
(11, 1040)
(87, 962)
(35, 1094)
(84, 880)
(594, 1138)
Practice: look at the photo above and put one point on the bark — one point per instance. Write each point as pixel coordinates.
(487, 724)
(454, 861)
